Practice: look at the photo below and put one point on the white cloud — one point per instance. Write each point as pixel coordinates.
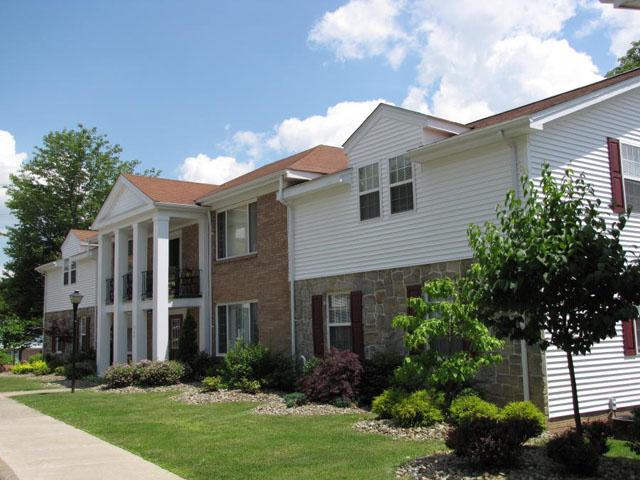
(477, 58)
(203, 168)
(363, 28)
(10, 162)
(623, 26)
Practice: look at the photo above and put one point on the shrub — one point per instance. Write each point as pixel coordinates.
(22, 368)
(59, 371)
(83, 369)
(277, 371)
(634, 432)
(378, 375)
(597, 434)
(337, 376)
(5, 358)
(490, 442)
(310, 365)
(156, 374)
(39, 367)
(241, 363)
(204, 365)
(464, 409)
(384, 402)
(212, 384)
(37, 357)
(574, 452)
(119, 376)
(524, 411)
(188, 340)
(295, 399)
(416, 410)
(248, 386)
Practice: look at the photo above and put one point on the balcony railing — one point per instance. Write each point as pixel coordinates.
(127, 286)
(109, 291)
(147, 285)
(184, 283)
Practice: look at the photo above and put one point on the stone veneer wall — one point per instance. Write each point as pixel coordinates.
(384, 294)
(64, 320)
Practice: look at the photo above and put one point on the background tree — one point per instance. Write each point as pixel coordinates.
(551, 264)
(188, 340)
(629, 61)
(447, 342)
(16, 334)
(61, 187)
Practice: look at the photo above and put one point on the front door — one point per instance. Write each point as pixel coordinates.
(175, 323)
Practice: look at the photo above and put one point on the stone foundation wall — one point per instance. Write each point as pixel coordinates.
(62, 321)
(384, 294)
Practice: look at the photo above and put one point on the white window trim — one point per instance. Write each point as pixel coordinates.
(226, 305)
(328, 313)
(226, 230)
(397, 184)
(56, 344)
(624, 175)
(82, 331)
(379, 190)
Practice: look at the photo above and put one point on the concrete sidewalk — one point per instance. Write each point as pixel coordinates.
(34, 446)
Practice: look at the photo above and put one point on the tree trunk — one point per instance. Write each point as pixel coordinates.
(574, 393)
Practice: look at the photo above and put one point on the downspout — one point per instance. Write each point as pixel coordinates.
(524, 361)
(290, 245)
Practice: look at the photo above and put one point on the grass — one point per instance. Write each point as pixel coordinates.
(15, 383)
(619, 449)
(225, 441)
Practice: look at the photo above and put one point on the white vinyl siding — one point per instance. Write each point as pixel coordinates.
(450, 193)
(579, 141)
(57, 294)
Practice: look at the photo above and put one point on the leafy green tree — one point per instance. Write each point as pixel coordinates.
(61, 187)
(16, 334)
(552, 265)
(629, 61)
(447, 342)
(188, 340)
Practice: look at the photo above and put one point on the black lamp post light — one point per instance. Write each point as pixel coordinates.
(76, 298)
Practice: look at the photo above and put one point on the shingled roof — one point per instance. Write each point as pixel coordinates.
(549, 102)
(165, 190)
(83, 235)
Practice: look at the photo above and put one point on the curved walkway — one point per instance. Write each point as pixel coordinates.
(34, 446)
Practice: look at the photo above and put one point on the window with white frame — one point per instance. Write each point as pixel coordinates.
(57, 344)
(69, 272)
(84, 346)
(339, 321)
(236, 322)
(237, 231)
(400, 184)
(630, 155)
(369, 191)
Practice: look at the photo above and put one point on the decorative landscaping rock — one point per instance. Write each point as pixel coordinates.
(535, 465)
(386, 427)
(132, 389)
(279, 408)
(193, 396)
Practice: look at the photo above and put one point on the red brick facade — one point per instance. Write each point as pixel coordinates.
(262, 276)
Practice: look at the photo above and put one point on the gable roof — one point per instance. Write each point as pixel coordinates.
(83, 235)
(166, 190)
(322, 159)
(549, 102)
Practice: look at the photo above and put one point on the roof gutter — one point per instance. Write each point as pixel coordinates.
(319, 184)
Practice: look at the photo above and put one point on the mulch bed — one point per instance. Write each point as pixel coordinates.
(534, 465)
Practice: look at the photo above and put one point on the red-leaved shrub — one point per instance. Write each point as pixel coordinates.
(337, 376)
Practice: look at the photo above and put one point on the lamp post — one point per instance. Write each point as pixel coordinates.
(76, 298)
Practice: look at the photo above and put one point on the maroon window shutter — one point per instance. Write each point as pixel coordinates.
(615, 170)
(357, 330)
(317, 325)
(413, 291)
(628, 338)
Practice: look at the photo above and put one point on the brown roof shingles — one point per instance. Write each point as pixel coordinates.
(165, 190)
(83, 235)
(549, 102)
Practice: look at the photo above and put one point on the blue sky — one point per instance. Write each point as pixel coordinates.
(208, 90)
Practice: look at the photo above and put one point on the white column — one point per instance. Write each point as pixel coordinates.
(161, 287)
(103, 344)
(119, 317)
(205, 267)
(138, 319)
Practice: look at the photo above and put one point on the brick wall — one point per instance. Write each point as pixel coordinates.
(189, 247)
(262, 276)
(62, 321)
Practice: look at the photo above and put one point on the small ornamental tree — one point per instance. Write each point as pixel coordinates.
(188, 340)
(551, 264)
(448, 321)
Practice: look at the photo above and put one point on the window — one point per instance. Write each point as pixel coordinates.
(630, 156)
(84, 344)
(369, 189)
(69, 273)
(339, 321)
(58, 346)
(400, 184)
(236, 322)
(237, 231)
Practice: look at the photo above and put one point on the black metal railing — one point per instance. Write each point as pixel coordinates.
(127, 286)
(184, 283)
(109, 291)
(147, 285)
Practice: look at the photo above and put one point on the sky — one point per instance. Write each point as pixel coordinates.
(206, 91)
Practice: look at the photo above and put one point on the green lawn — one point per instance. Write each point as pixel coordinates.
(14, 383)
(224, 441)
(618, 448)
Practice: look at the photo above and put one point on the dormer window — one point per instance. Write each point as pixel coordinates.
(69, 273)
(369, 191)
(400, 184)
